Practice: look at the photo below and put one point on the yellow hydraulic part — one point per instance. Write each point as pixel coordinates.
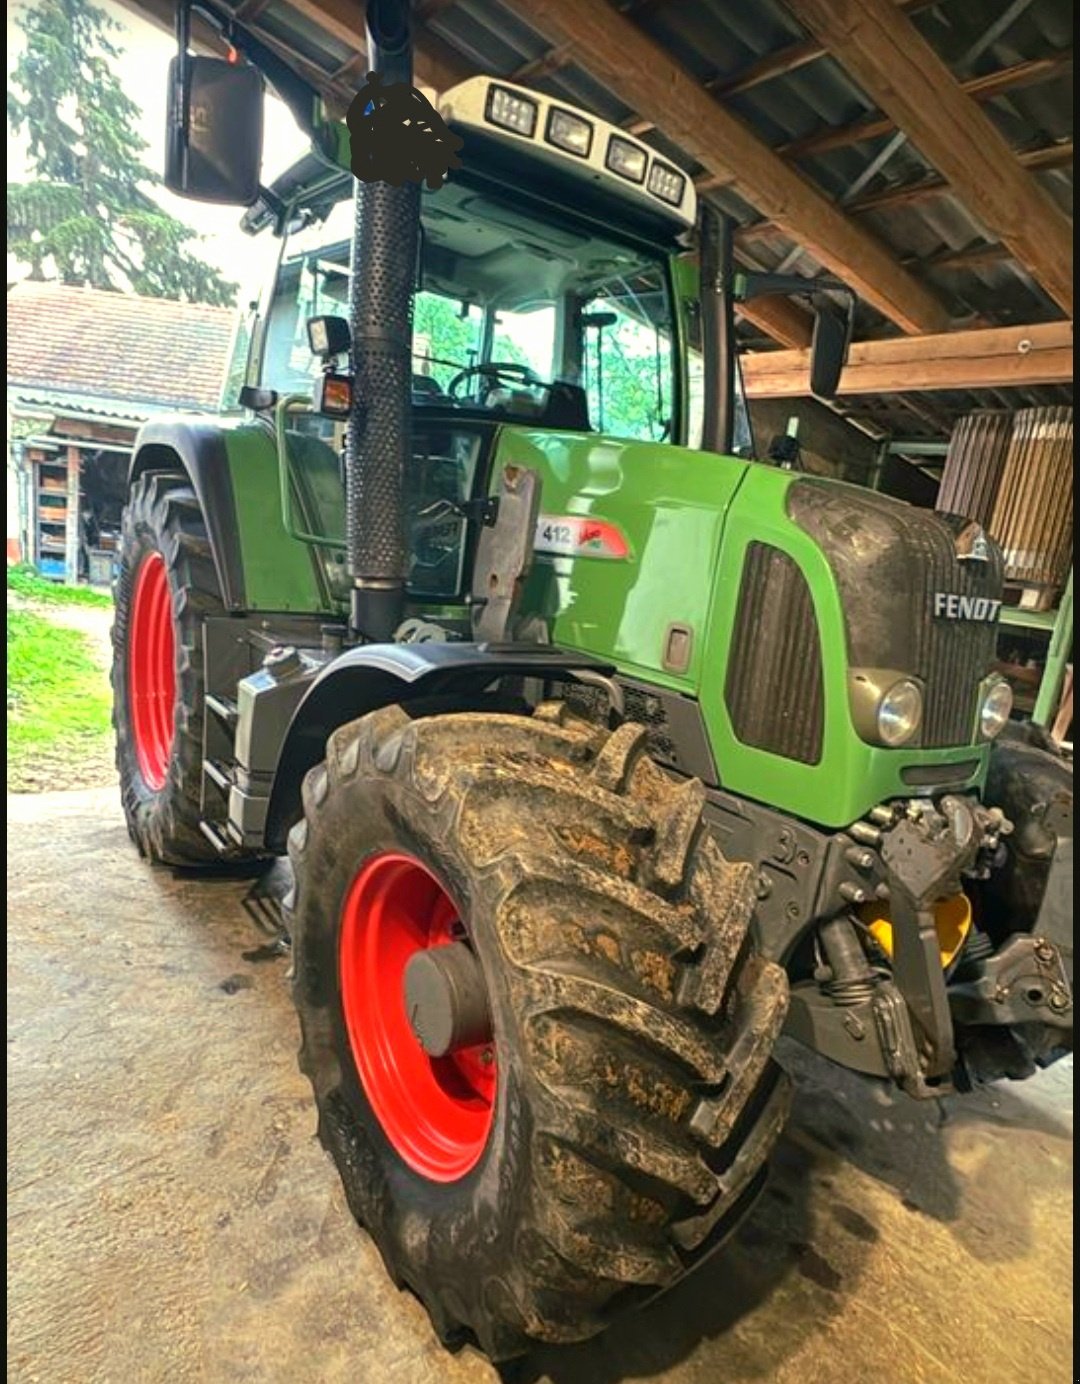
(952, 918)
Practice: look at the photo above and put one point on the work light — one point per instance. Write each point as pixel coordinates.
(328, 336)
(626, 159)
(666, 183)
(511, 111)
(568, 131)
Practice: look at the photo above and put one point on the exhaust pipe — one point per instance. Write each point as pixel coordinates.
(717, 332)
(378, 442)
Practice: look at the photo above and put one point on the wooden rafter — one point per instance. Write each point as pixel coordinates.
(435, 62)
(780, 319)
(874, 126)
(650, 80)
(1044, 157)
(987, 358)
(903, 75)
(983, 88)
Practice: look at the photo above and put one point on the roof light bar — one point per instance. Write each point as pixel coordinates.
(510, 110)
(626, 158)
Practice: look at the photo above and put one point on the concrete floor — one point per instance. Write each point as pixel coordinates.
(171, 1217)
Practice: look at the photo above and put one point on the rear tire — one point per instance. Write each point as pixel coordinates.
(166, 587)
(635, 1099)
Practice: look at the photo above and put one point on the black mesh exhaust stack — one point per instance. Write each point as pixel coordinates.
(379, 434)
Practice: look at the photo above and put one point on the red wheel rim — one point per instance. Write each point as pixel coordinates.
(436, 1111)
(152, 670)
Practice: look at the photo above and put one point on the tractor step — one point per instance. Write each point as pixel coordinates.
(216, 836)
(218, 773)
(224, 709)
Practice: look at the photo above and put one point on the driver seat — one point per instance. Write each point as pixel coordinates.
(567, 408)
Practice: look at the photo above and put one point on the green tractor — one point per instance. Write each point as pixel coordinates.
(603, 753)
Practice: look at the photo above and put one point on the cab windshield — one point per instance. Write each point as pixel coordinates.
(508, 307)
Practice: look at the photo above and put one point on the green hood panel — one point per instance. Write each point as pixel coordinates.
(666, 504)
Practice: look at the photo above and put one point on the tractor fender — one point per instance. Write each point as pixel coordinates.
(364, 679)
(199, 446)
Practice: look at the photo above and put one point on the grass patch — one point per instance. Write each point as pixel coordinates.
(27, 582)
(58, 706)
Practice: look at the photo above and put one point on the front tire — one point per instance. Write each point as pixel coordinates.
(165, 588)
(628, 1102)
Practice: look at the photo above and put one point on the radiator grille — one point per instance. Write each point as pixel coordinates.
(950, 656)
(775, 691)
(890, 560)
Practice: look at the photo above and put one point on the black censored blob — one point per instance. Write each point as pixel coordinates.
(398, 137)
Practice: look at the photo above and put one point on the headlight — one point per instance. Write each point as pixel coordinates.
(512, 111)
(568, 131)
(886, 705)
(995, 708)
(899, 713)
(626, 159)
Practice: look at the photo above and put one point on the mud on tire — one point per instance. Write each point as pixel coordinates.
(163, 517)
(633, 1022)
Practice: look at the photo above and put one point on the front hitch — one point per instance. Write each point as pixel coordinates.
(926, 854)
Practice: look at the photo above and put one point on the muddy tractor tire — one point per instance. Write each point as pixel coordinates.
(166, 586)
(577, 1103)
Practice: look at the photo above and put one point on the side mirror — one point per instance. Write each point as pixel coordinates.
(213, 150)
(828, 348)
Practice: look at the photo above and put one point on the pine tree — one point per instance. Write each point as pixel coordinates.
(87, 214)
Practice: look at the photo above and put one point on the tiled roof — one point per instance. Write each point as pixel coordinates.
(115, 346)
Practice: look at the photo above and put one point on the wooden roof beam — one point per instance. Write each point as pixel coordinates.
(903, 75)
(436, 64)
(1044, 157)
(983, 88)
(647, 78)
(874, 126)
(986, 358)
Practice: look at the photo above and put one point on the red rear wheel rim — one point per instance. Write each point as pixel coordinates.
(152, 670)
(435, 1111)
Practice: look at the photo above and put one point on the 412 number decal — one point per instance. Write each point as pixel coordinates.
(573, 535)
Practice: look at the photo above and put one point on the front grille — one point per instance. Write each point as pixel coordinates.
(890, 560)
(951, 656)
(774, 690)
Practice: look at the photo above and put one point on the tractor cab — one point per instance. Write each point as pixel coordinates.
(555, 290)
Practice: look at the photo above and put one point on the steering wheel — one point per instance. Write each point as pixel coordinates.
(492, 371)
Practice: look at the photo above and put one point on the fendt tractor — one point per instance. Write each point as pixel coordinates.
(603, 753)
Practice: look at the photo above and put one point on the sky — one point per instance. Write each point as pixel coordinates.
(146, 51)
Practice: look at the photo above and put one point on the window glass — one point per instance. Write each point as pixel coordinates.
(446, 337)
(236, 369)
(440, 480)
(500, 286)
(527, 338)
(627, 356)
